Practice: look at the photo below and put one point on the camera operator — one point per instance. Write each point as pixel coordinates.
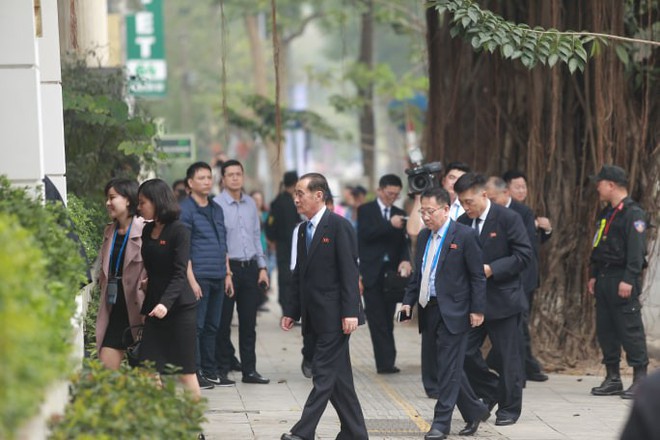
(453, 171)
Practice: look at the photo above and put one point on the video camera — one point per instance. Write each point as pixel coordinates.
(423, 177)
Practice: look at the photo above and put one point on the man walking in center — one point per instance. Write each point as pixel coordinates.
(207, 268)
(450, 287)
(383, 251)
(326, 296)
(248, 272)
(507, 252)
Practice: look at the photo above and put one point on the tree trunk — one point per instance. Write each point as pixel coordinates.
(559, 128)
(367, 122)
(275, 159)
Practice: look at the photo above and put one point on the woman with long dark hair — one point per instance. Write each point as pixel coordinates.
(169, 335)
(121, 273)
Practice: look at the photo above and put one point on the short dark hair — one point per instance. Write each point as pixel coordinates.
(440, 194)
(390, 180)
(192, 169)
(460, 166)
(160, 194)
(178, 182)
(359, 190)
(513, 174)
(317, 182)
(469, 181)
(126, 188)
(231, 163)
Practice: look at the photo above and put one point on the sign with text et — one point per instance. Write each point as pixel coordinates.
(145, 51)
(177, 146)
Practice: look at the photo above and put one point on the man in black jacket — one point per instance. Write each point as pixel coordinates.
(326, 296)
(282, 218)
(507, 252)
(383, 251)
(498, 192)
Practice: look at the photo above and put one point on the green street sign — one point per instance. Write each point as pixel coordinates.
(177, 146)
(145, 51)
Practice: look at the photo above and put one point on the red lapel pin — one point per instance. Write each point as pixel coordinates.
(493, 234)
(325, 240)
(453, 246)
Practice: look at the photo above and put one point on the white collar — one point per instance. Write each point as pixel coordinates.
(317, 217)
(485, 213)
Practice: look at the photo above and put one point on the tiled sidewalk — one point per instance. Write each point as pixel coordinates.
(395, 406)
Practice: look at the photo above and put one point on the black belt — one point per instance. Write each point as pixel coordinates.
(243, 263)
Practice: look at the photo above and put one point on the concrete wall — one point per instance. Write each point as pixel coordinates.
(31, 123)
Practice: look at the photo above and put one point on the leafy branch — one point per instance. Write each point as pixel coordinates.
(488, 31)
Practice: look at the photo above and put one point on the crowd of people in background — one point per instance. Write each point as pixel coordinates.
(176, 262)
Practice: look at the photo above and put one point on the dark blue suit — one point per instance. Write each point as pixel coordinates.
(325, 290)
(460, 286)
(507, 249)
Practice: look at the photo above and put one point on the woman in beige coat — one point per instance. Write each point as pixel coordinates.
(121, 273)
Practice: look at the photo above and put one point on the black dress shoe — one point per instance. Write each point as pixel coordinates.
(537, 377)
(288, 436)
(435, 434)
(255, 378)
(471, 427)
(236, 364)
(504, 421)
(392, 370)
(306, 368)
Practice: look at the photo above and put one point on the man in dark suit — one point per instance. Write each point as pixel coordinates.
(507, 252)
(383, 251)
(326, 296)
(450, 287)
(498, 192)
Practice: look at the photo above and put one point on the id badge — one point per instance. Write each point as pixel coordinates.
(111, 291)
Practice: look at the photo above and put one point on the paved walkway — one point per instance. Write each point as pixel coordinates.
(395, 406)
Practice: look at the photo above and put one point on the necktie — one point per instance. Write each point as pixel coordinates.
(476, 224)
(309, 233)
(425, 290)
(386, 213)
(455, 213)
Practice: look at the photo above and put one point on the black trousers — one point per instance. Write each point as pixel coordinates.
(380, 319)
(619, 321)
(505, 389)
(283, 274)
(452, 381)
(246, 297)
(333, 382)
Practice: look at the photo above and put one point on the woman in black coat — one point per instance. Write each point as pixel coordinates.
(169, 335)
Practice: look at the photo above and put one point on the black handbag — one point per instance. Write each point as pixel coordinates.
(133, 345)
(394, 286)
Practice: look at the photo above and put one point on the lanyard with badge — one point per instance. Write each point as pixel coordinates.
(113, 279)
(604, 225)
(436, 257)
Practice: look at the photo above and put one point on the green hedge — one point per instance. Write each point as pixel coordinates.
(41, 272)
(128, 404)
(89, 219)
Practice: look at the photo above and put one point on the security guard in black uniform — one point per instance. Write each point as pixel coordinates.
(617, 260)
(282, 219)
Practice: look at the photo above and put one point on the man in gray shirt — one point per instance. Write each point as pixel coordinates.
(247, 266)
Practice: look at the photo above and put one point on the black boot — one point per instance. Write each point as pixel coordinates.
(611, 385)
(639, 373)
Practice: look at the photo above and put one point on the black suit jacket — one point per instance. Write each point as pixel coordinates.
(377, 238)
(507, 250)
(530, 276)
(325, 281)
(460, 282)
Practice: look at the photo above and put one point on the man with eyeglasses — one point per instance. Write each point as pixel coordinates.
(507, 252)
(450, 287)
(383, 252)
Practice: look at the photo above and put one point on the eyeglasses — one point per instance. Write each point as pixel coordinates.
(428, 212)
